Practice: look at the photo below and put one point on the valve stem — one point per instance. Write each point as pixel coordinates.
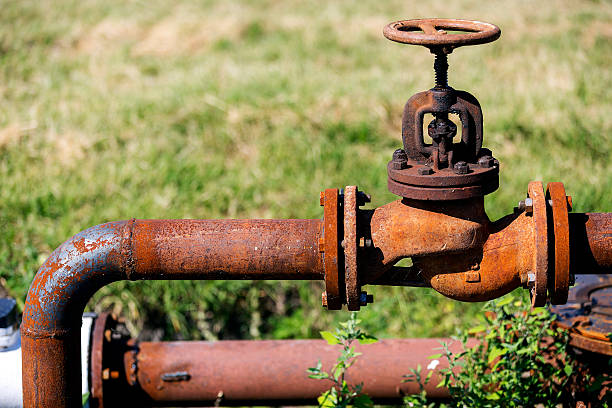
(441, 69)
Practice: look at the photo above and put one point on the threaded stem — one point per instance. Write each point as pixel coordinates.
(441, 69)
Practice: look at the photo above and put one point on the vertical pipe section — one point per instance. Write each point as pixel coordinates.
(144, 249)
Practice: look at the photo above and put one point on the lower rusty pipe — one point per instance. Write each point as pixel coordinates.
(271, 372)
(144, 249)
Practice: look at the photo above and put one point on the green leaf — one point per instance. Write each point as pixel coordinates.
(568, 370)
(493, 397)
(329, 337)
(434, 356)
(362, 401)
(326, 400)
(477, 329)
(496, 352)
(85, 398)
(366, 339)
(504, 301)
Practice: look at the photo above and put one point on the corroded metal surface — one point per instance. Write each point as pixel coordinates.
(539, 284)
(432, 32)
(274, 372)
(591, 242)
(588, 313)
(488, 272)
(333, 296)
(442, 170)
(145, 249)
(559, 284)
(351, 265)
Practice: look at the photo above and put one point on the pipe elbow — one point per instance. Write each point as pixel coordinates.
(72, 274)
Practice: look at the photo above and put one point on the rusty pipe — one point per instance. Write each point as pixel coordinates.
(591, 243)
(457, 251)
(271, 372)
(145, 249)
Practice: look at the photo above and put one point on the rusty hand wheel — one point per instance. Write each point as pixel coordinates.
(432, 32)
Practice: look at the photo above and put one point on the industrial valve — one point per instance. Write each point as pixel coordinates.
(442, 170)
(439, 222)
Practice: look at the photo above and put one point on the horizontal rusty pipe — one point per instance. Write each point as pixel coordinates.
(145, 249)
(272, 372)
(591, 243)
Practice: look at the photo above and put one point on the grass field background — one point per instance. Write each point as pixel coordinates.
(224, 109)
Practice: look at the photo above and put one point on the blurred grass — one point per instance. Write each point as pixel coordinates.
(112, 110)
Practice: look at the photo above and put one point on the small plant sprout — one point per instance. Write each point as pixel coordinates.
(342, 394)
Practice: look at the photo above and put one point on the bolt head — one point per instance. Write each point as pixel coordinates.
(526, 205)
(461, 167)
(531, 277)
(365, 298)
(486, 161)
(398, 165)
(400, 155)
(424, 171)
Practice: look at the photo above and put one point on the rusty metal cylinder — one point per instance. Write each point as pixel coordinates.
(274, 371)
(144, 249)
(226, 249)
(591, 243)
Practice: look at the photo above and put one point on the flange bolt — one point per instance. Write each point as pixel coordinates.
(400, 160)
(486, 161)
(526, 205)
(425, 171)
(461, 167)
(364, 298)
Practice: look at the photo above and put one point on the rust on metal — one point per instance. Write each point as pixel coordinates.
(432, 32)
(274, 371)
(591, 243)
(559, 285)
(442, 170)
(351, 265)
(538, 285)
(440, 223)
(145, 249)
(588, 314)
(333, 296)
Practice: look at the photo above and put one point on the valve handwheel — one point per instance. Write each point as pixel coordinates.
(434, 33)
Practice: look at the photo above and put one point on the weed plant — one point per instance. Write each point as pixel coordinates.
(342, 394)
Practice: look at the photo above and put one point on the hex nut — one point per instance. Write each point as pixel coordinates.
(400, 155)
(424, 171)
(398, 165)
(486, 161)
(461, 167)
(365, 298)
(526, 205)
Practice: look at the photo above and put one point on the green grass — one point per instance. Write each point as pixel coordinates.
(219, 109)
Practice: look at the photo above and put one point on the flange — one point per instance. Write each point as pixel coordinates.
(587, 315)
(353, 289)
(333, 296)
(560, 251)
(540, 265)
